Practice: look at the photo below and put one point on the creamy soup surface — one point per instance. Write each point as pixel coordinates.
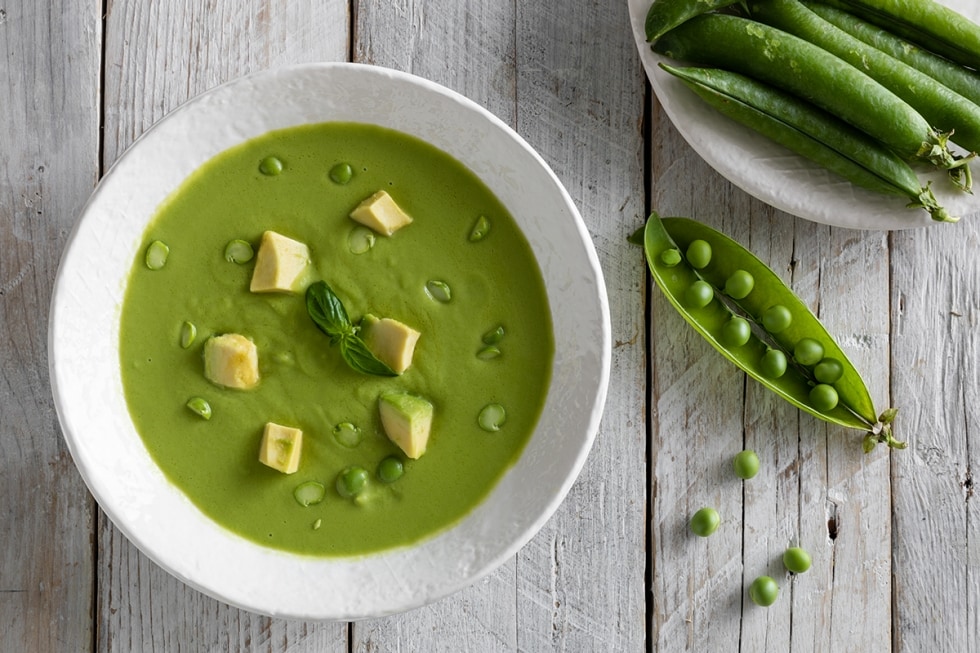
(282, 182)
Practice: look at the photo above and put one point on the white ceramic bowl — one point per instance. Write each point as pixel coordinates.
(158, 518)
(769, 172)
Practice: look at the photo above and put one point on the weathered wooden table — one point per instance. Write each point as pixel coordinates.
(895, 536)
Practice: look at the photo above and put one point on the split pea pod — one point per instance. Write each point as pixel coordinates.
(941, 107)
(665, 15)
(811, 370)
(926, 22)
(810, 72)
(811, 133)
(962, 80)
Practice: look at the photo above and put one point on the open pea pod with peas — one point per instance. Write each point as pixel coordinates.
(740, 306)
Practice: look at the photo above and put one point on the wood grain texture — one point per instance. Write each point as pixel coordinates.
(581, 580)
(49, 81)
(158, 55)
(893, 535)
(441, 41)
(815, 488)
(578, 585)
(936, 381)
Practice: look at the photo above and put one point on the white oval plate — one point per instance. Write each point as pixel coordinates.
(769, 172)
(158, 518)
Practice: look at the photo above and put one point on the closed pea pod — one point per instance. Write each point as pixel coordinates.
(665, 15)
(926, 22)
(964, 81)
(812, 133)
(808, 71)
(942, 107)
(853, 408)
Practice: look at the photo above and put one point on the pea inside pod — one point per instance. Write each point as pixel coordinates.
(852, 407)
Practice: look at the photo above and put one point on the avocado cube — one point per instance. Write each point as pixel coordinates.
(279, 264)
(281, 447)
(407, 420)
(381, 214)
(232, 361)
(390, 340)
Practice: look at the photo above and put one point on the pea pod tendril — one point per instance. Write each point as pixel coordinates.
(854, 407)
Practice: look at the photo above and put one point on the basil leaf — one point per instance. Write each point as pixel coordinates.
(360, 358)
(327, 311)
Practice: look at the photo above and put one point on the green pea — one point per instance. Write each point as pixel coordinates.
(763, 591)
(492, 417)
(823, 397)
(239, 251)
(488, 353)
(796, 560)
(188, 332)
(200, 406)
(347, 435)
(699, 294)
(390, 469)
(746, 464)
(156, 255)
(341, 173)
(480, 229)
(309, 493)
(829, 370)
(360, 240)
(772, 365)
(439, 291)
(705, 522)
(270, 166)
(808, 352)
(776, 318)
(351, 481)
(739, 284)
(670, 257)
(494, 335)
(699, 254)
(736, 332)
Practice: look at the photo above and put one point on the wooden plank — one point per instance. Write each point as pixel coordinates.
(580, 102)
(49, 82)
(447, 41)
(575, 586)
(811, 473)
(935, 382)
(159, 54)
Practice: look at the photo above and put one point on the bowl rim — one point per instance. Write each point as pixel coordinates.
(66, 283)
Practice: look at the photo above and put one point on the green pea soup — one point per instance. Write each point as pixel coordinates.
(304, 382)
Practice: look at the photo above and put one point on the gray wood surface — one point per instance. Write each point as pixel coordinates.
(49, 164)
(893, 535)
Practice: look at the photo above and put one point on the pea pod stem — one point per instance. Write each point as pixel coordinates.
(808, 71)
(811, 133)
(943, 108)
(926, 22)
